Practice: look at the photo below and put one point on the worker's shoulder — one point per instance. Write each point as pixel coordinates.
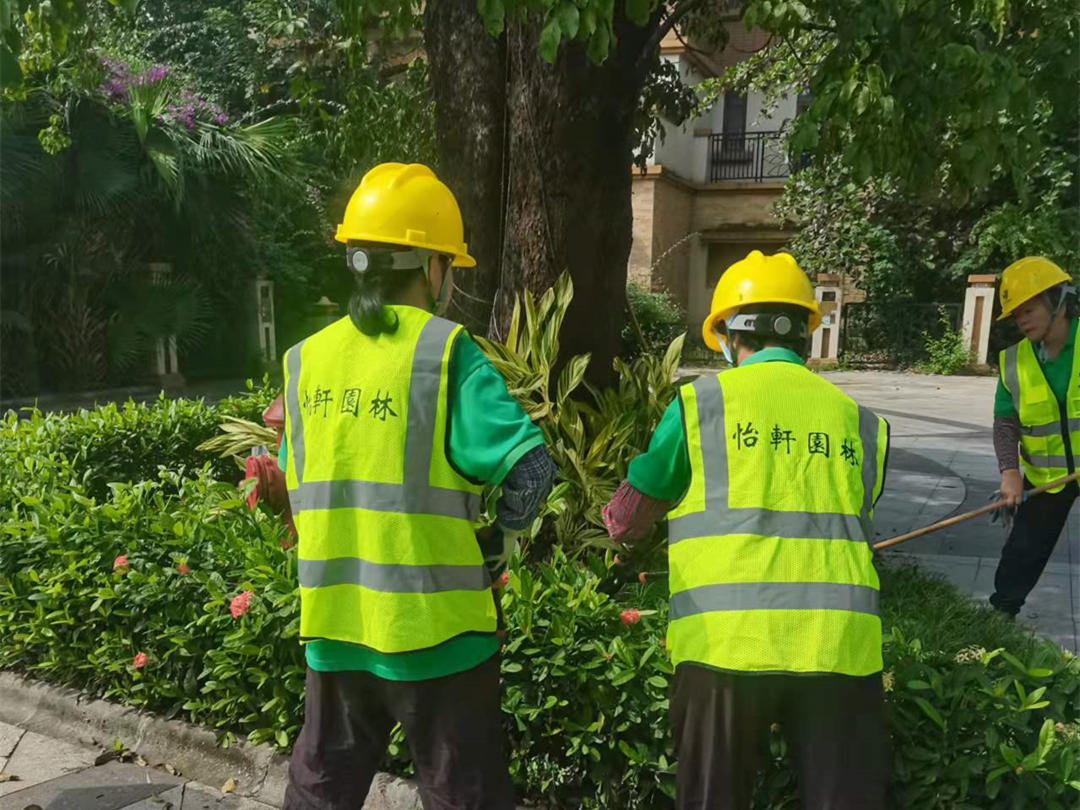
(329, 332)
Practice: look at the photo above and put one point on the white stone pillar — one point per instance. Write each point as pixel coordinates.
(825, 342)
(168, 365)
(978, 311)
(264, 320)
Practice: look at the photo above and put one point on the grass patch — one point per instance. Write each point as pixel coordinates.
(928, 607)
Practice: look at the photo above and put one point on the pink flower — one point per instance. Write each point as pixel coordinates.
(140, 660)
(503, 580)
(120, 564)
(183, 569)
(240, 604)
(630, 616)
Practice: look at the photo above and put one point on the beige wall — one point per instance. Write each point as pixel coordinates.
(736, 205)
(673, 210)
(728, 222)
(641, 200)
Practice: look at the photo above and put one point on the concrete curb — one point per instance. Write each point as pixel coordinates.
(259, 771)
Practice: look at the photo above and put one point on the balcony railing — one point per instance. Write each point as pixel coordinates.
(748, 156)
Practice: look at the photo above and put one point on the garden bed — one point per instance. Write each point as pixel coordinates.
(135, 592)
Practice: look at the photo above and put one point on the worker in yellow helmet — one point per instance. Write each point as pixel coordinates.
(1036, 420)
(393, 421)
(768, 474)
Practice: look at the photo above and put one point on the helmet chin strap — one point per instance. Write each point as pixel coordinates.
(1055, 310)
(725, 349)
(438, 302)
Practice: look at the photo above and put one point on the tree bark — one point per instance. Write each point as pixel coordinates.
(468, 76)
(566, 187)
(569, 179)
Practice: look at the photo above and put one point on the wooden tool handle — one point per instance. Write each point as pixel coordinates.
(990, 507)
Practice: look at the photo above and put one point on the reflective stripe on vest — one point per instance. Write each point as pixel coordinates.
(717, 513)
(762, 588)
(1044, 449)
(414, 495)
(391, 563)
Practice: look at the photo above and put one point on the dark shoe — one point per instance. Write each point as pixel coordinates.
(1004, 610)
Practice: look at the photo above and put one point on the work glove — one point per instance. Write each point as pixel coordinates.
(270, 487)
(1005, 514)
(498, 545)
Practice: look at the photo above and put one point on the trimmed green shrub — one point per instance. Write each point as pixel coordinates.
(658, 314)
(174, 596)
(128, 442)
(947, 353)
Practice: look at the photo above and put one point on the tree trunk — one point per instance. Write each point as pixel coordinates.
(568, 171)
(468, 77)
(570, 175)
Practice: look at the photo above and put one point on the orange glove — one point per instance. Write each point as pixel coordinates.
(269, 487)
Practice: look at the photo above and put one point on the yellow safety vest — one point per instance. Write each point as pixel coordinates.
(1043, 431)
(388, 557)
(770, 559)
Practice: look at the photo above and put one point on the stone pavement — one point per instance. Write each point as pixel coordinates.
(52, 774)
(942, 462)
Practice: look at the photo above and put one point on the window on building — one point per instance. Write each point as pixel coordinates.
(802, 101)
(734, 113)
(733, 144)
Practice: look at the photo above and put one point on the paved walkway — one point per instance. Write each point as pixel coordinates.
(50, 774)
(942, 462)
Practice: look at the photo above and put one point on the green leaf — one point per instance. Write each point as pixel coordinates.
(599, 44)
(570, 377)
(282, 739)
(550, 38)
(127, 6)
(569, 19)
(930, 712)
(637, 11)
(10, 72)
(493, 13)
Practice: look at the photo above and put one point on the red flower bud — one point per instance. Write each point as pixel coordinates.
(630, 616)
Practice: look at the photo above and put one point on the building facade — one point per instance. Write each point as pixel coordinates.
(705, 200)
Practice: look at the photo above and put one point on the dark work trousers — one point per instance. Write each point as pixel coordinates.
(1036, 529)
(833, 725)
(453, 726)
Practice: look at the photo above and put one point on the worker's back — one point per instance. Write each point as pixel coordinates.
(387, 554)
(770, 548)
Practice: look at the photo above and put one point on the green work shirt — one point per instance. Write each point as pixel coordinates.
(663, 471)
(1056, 371)
(488, 434)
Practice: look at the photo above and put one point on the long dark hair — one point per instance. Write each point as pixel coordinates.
(372, 293)
(375, 289)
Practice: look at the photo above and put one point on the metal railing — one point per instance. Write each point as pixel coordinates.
(748, 156)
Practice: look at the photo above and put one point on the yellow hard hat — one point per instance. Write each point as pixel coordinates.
(760, 279)
(1026, 278)
(407, 205)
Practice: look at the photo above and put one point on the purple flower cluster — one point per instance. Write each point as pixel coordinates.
(122, 78)
(191, 107)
